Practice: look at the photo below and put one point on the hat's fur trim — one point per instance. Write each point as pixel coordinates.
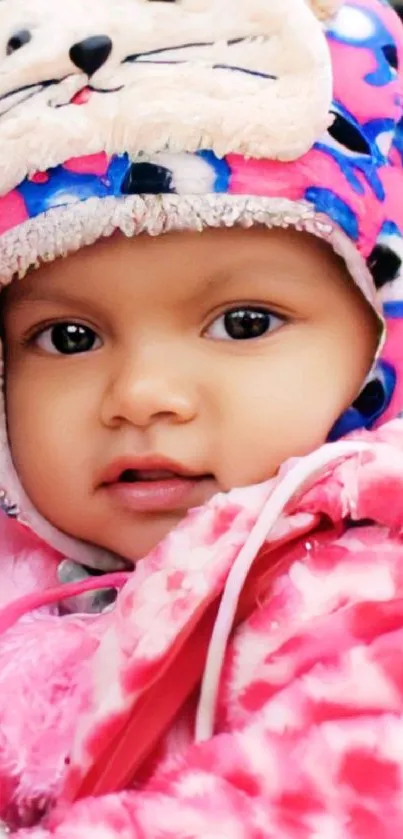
(66, 229)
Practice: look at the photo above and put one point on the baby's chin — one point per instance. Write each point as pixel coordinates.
(127, 527)
(135, 540)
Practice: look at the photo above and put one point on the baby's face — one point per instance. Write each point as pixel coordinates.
(143, 376)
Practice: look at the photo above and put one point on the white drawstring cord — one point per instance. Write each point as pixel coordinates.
(299, 475)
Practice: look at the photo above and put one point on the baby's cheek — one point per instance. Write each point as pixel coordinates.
(31, 431)
(252, 447)
(17, 410)
(287, 425)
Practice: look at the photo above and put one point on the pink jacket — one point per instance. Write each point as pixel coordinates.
(248, 683)
(98, 714)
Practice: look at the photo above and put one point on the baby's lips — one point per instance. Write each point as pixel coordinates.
(149, 466)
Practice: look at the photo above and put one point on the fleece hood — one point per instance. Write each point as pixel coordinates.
(145, 116)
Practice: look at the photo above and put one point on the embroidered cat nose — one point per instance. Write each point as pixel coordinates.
(89, 55)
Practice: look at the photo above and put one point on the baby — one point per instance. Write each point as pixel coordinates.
(200, 253)
(145, 375)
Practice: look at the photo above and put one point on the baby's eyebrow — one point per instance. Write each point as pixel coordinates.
(272, 272)
(32, 294)
(226, 275)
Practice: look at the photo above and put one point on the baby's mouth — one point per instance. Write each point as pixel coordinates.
(131, 476)
(156, 487)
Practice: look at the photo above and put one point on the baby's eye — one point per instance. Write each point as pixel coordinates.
(67, 339)
(244, 324)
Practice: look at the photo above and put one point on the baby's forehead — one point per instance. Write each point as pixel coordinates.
(181, 266)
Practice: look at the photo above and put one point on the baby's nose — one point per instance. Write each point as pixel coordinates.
(89, 55)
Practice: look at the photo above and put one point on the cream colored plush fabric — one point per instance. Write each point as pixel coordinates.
(168, 83)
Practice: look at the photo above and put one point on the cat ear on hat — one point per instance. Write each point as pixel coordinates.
(325, 9)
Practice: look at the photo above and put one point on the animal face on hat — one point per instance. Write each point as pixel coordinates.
(183, 75)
